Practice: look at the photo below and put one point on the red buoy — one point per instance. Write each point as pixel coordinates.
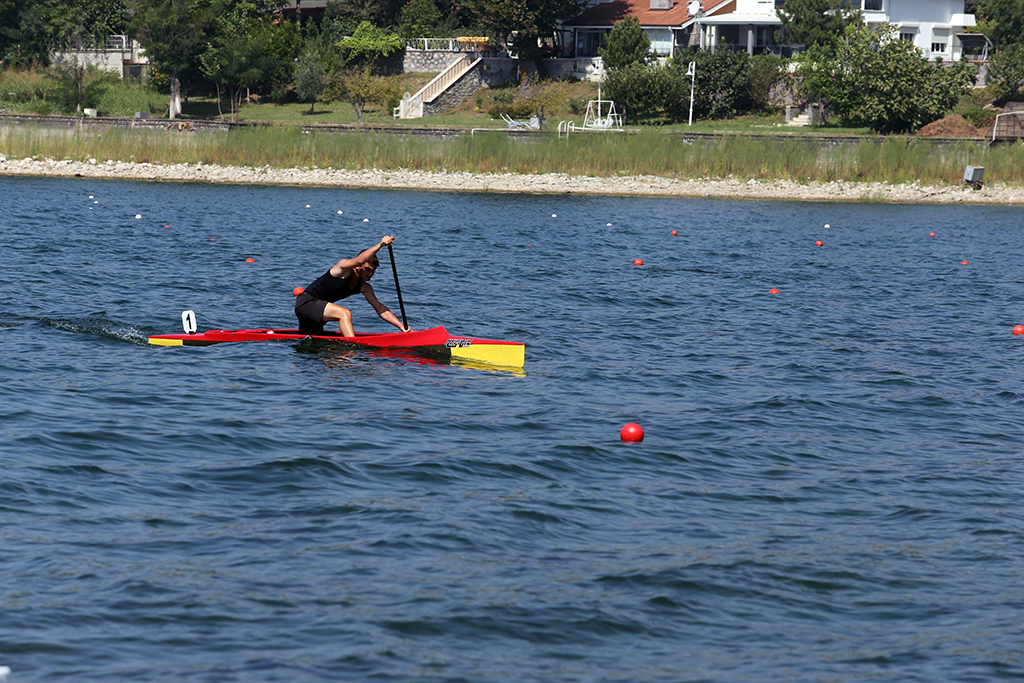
(819, 243)
(297, 291)
(250, 260)
(773, 291)
(963, 263)
(931, 234)
(638, 262)
(632, 432)
(674, 233)
(1019, 329)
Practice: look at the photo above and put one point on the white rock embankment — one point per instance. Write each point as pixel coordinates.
(546, 183)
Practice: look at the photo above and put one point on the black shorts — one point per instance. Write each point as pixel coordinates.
(310, 312)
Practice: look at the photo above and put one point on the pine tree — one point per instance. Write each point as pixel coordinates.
(816, 22)
(627, 44)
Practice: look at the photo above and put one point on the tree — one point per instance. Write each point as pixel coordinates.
(248, 51)
(346, 15)
(419, 19)
(30, 30)
(873, 77)
(368, 44)
(721, 87)
(518, 24)
(628, 44)
(76, 29)
(360, 86)
(310, 78)
(816, 22)
(1002, 21)
(174, 33)
(1006, 70)
(219, 39)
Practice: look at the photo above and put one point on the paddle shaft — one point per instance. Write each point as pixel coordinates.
(394, 271)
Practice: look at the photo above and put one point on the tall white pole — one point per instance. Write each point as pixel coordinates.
(692, 73)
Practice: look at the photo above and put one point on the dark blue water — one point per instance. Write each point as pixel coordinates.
(830, 488)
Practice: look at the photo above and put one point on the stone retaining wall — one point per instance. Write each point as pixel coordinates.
(457, 93)
(427, 61)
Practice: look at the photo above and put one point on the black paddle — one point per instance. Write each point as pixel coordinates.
(394, 270)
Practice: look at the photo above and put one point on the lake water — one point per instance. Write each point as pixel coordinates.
(830, 487)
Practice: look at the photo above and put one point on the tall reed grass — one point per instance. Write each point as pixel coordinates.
(894, 160)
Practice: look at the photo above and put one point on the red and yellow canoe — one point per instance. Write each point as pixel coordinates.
(435, 342)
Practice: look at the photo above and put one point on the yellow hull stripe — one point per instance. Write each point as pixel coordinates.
(156, 341)
(511, 355)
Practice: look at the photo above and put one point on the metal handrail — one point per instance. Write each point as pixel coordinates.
(995, 124)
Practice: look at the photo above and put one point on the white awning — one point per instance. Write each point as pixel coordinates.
(734, 18)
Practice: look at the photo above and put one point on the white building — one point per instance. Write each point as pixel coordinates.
(120, 54)
(935, 26)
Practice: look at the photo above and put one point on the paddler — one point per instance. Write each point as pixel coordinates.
(315, 305)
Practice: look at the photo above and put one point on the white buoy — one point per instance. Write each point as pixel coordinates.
(554, 215)
(96, 202)
(5, 671)
(340, 212)
(827, 226)
(608, 225)
(90, 196)
(307, 206)
(138, 215)
(366, 220)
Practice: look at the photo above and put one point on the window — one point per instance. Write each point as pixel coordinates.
(872, 5)
(939, 47)
(909, 37)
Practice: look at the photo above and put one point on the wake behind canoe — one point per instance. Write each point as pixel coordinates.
(435, 341)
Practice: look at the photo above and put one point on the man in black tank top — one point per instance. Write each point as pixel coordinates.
(315, 305)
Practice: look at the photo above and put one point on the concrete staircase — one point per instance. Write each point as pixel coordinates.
(801, 120)
(411, 106)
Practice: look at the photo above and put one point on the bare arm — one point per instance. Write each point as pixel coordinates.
(343, 268)
(383, 311)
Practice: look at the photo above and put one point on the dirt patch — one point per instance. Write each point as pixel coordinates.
(953, 126)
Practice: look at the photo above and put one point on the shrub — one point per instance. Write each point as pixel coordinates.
(515, 110)
(124, 98)
(639, 90)
(1006, 71)
(764, 73)
(979, 118)
(721, 87)
(279, 94)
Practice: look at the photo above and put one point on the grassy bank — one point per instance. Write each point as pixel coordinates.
(648, 153)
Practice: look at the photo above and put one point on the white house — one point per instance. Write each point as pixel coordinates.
(120, 54)
(935, 26)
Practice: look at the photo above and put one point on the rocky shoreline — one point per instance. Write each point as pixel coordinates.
(548, 183)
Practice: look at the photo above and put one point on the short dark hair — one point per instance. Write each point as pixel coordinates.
(374, 261)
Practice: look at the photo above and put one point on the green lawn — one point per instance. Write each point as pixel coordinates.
(469, 115)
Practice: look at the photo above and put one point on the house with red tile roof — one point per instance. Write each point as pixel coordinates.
(660, 19)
